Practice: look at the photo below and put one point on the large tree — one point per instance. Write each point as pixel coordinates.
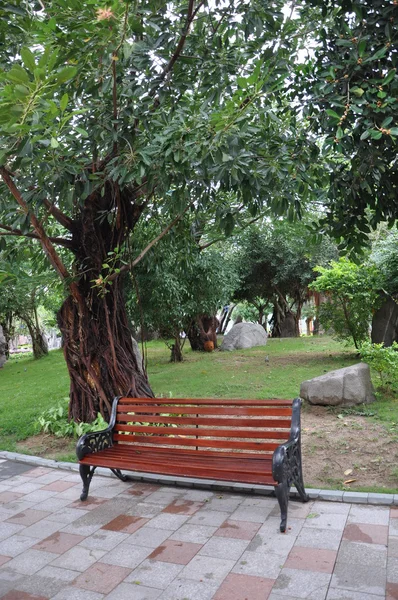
(109, 114)
(349, 86)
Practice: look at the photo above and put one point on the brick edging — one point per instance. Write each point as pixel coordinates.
(314, 494)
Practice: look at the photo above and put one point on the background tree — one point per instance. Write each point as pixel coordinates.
(351, 78)
(107, 114)
(276, 265)
(351, 292)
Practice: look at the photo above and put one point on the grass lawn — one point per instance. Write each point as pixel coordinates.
(29, 387)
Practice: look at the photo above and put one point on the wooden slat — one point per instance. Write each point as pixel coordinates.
(206, 401)
(209, 421)
(207, 432)
(199, 455)
(208, 443)
(198, 410)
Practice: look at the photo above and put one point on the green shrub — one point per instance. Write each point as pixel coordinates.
(384, 361)
(55, 420)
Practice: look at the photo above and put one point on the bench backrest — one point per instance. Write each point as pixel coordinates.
(210, 425)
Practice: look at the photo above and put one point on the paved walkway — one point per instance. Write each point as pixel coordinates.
(139, 541)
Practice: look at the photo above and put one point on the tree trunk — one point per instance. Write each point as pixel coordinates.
(203, 329)
(93, 319)
(39, 343)
(176, 350)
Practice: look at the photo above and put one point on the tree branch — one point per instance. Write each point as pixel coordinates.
(17, 232)
(59, 216)
(135, 262)
(181, 43)
(37, 226)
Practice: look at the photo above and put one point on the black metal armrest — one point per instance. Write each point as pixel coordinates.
(97, 440)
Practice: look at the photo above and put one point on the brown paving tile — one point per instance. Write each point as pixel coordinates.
(244, 587)
(142, 489)
(311, 559)
(172, 551)
(37, 472)
(28, 517)
(58, 486)
(9, 497)
(17, 595)
(394, 513)
(59, 542)
(125, 524)
(368, 534)
(392, 591)
(101, 578)
(183, 507)
(4, 559)
(241, 530)
(89, 504)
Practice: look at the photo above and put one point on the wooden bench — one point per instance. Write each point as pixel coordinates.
(244, 441)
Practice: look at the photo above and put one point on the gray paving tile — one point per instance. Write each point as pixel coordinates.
(274, 544)
(214, 518)
(65, 575)
(39, 496)
(271, 527)
(372, 555)
(42, 529)
(360, 579)
(393, 546)
(141, 509)
(154, 573)
(372, 515)
(207, 568)
(67, 515)
(254, 514)
(30, 561)
(149, 537)
(186, 589)
(335, 508)
(17, 544)
(394, 527)
(326, 521)
(168, 521)
(126, 555)
(8, 529)
(223, 502)
(162, 497)
(327, 539)
(198, 534)
(40, 586)
(104, 540)
(229, 548)
(336, 594)
(74, 593)
(301, 584)
(53, 504)
(78, 558)
(131, 591)
(253, 563)
(392, 569)
(198, 495)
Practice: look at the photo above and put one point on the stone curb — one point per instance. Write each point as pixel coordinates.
(206, 484)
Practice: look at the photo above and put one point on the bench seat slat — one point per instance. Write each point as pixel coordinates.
(206, 401)
(247, 471)
(198, 455)
(207, 443)
(255, 411)
(208, 421)
(206, 431)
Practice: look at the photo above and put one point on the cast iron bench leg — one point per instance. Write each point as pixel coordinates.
(119, 474)
(86, 473)
(282, 494)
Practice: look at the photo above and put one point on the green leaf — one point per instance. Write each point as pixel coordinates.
(82, 132)
(394, 131)
(28, 59)
(339, 133)
(365, 135)
(54, 143)
(332, 113)
(390, 76)
(226, 157)
(242, 82)
(386, 122)
(64, 102)
(17, 75)
(358, 91)
(375, 134)
(379, 54)
(361, 47)
(66, 73)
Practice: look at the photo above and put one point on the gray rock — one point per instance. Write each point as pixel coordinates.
(244, 335)
(2, 348)
(348, 386)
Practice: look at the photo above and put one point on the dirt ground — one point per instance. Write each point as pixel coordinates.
(347, 451)
(350, 452)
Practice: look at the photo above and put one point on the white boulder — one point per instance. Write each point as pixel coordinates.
(348, 386)
(244, 335)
